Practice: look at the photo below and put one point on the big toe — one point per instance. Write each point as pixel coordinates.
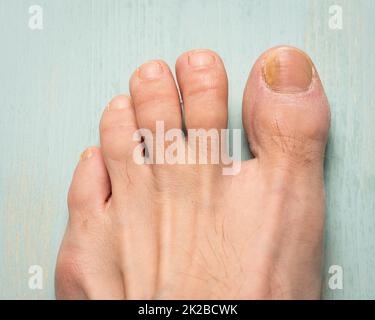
(285, 110)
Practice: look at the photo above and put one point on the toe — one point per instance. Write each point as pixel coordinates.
(285, 110)
(90, 187)
(203, 83)
(117, 128)
(155, 96)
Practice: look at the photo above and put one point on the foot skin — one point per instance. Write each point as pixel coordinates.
(188, 231)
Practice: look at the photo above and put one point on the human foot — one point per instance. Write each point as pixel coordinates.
(187, 231)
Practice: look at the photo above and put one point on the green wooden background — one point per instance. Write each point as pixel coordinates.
(55, 82)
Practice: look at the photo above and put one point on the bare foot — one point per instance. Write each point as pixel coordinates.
(162, 231)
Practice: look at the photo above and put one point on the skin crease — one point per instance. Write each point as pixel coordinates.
(187, 231)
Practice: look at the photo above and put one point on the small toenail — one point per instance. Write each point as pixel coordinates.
(87, 154)
(120, 103)
(201, 59)
(288, 70)
(150, 70)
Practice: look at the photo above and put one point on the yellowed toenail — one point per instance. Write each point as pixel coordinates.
(87, 154)
(288, 70)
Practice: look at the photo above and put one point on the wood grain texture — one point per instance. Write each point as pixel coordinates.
(54, 84)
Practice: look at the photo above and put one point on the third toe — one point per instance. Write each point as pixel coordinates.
(155, 96)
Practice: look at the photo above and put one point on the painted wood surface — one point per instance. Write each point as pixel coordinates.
(55, 82)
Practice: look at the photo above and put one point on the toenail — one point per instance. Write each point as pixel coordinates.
(288, 70)
(87, 154)
(201, 59)
(119, 103)
(150, 70)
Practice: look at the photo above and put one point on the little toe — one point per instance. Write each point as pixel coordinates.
(90, 187)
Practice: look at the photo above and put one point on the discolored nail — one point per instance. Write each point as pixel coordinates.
(87, 154)
(288, 70)
(201, 59)
(150, 70)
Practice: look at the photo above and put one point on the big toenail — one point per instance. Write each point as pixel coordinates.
(87, 154)
(201, 59)
(150, 70)
(288, 70)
